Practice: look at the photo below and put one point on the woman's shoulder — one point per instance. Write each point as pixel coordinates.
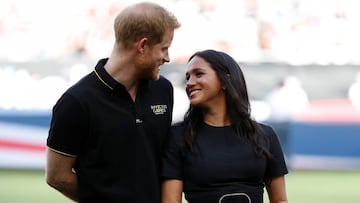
(266, 129)
(264, 125)
(178, 126)
(177, 133)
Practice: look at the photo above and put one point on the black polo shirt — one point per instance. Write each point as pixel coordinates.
(118, 142)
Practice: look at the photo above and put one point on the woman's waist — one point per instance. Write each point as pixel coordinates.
(226, 193)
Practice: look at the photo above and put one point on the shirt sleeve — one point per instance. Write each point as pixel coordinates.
(172, 167)
(276, 166)
(67, 127)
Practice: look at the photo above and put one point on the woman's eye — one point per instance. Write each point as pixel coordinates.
(199, 74)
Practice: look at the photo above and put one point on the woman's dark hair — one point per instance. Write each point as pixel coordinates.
(237, 101)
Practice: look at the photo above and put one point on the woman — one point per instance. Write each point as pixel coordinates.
(219, 154)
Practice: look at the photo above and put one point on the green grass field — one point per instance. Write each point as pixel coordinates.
(302, 187)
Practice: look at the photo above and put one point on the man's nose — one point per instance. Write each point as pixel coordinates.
(166, 59)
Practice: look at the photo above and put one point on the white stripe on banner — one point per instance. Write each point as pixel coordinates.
(324, 162)
(22, 146)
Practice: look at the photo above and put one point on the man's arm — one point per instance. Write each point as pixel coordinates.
(60, 175)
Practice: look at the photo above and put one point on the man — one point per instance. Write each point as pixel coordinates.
(107, 131)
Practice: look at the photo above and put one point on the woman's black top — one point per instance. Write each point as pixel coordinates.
(222, 166)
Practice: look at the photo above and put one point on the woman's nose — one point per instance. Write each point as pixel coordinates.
(189, 82)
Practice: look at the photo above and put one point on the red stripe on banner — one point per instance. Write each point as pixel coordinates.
(332, 110)
(21, 146)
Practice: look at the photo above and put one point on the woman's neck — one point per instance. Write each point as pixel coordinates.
(216, 118)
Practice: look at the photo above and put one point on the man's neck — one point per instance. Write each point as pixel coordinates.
(121, 68)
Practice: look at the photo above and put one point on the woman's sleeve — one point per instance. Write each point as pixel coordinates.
(276, 166)
(172, 166)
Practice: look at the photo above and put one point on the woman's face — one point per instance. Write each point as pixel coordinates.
(203, 86)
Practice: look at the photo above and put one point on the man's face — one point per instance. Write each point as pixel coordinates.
(155, 56)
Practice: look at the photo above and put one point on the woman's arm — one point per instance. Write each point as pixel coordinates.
(276, 190)
(60, 175)
(172, 191)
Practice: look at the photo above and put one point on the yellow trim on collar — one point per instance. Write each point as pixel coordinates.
(97, 74)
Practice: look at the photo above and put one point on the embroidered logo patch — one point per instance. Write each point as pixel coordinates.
(158, 109)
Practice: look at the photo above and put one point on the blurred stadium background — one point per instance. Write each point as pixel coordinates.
(308, 47)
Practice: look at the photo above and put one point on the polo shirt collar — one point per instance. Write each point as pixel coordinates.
(109, 81)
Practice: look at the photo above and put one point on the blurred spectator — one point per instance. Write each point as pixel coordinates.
(29, 91)
(266, 35)
(47, 91)
(354, 92)
(78, 71)
(286, 99)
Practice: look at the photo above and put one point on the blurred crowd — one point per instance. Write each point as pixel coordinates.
(22, 90)
(291, 31)
(296, 32)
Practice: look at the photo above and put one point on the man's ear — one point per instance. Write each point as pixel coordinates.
(141, 44)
